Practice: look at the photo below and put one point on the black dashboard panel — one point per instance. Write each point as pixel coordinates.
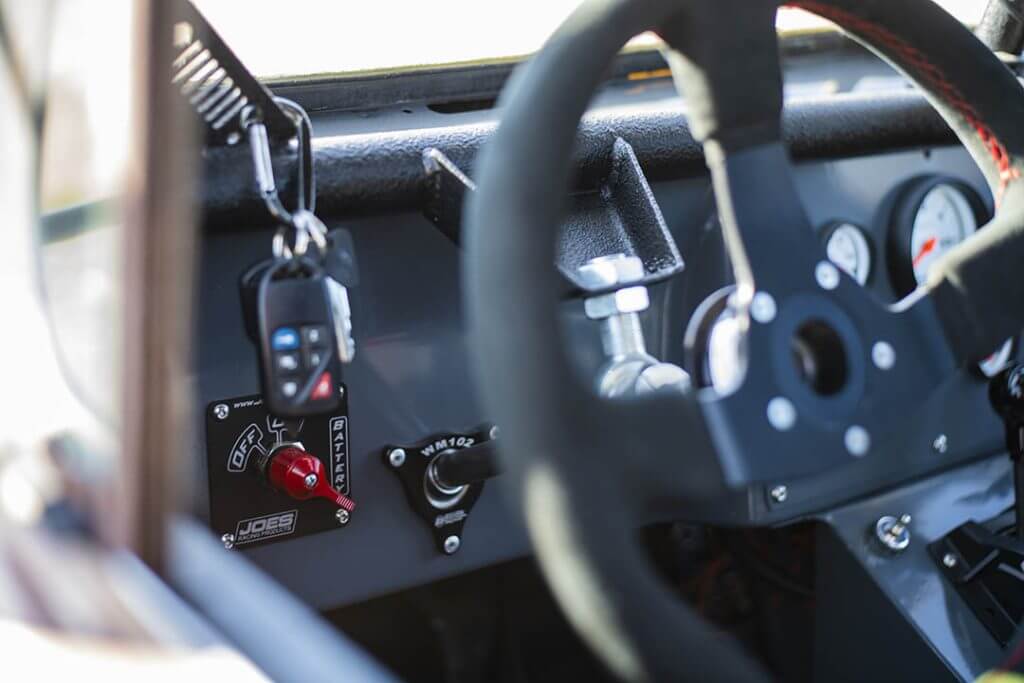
(411, 378)
(854, 153)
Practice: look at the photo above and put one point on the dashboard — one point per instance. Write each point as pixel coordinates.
(883, 209)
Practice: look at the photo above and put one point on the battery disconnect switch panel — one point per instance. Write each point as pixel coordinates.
(273, 479)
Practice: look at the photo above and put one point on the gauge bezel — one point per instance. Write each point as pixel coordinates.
(831, 228)
(901, 226)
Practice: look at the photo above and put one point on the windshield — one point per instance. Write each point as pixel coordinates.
(314, 37)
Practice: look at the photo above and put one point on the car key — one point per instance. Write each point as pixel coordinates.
(299, 358)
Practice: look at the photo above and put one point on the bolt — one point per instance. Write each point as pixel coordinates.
(221, 411)
(604, 272)
(451, 545)
(781, 413)
(493, 434)
(941, 444)
(342, 517)
(396, 457)
(949, 560)
(883, 355)
(857, 441)
(341, 391)
(228, 540)
(827, 275)
(310, 481)
(762, 308)
(779, 493)
(233, 138)
(893, 533)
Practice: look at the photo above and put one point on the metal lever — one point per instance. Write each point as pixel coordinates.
(461, 467)
(302, 476)
(630, 369)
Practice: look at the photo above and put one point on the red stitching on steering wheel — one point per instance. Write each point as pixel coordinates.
(916, 60)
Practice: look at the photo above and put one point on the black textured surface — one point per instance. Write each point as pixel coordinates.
(383, 172)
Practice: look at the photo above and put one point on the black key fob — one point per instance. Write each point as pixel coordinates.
(300, 368)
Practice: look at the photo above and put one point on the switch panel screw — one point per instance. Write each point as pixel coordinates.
(342, 516)
(396, 457)
(941, 444)
(949, 560)
(451, 545)
(228, 540)
(221, 411)
(779, 493)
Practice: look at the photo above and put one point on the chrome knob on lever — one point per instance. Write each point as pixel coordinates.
(630, 369)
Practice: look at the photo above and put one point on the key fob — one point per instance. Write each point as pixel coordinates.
(300, 367)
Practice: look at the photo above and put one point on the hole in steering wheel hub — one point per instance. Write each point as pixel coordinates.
(819, 357)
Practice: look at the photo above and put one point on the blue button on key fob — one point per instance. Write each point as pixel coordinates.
(285, 339)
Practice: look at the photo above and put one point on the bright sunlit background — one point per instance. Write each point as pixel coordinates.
(321, 37)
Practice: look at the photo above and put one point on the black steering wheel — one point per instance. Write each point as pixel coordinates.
(581, 466)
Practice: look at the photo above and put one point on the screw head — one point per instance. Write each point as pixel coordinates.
(781, 413)
(341, 391)
(763, 308)
(342, 516)
(941, 444)
(949, 560)
(883, 355)
(493, 433)
(396, 457)
(228, 540)
(451, 545)
(779, 493)
(857, 441)
(310, 481)
(221, 411)
(827, 275)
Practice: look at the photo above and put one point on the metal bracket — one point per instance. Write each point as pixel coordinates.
(216, 83)
(987, 570)
(620, 217)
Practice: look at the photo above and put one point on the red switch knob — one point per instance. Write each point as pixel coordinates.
(302, 476)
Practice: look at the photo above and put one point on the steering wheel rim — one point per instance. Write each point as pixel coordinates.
(579, 466)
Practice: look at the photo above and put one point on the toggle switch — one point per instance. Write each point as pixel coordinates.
(302, 476)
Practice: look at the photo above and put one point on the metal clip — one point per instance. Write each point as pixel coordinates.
(306, 226)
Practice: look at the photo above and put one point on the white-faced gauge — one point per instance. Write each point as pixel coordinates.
(934, 216)
(847, 247)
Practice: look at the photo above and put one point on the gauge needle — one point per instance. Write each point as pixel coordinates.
(926, 249)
